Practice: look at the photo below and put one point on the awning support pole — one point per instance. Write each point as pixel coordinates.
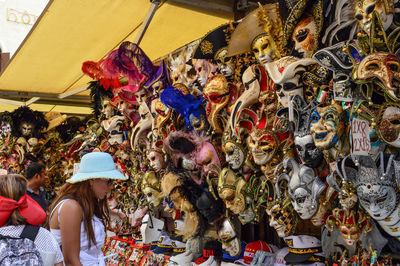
(147, 20)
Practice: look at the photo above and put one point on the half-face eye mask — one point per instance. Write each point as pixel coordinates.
(385, 69)
(327, 126)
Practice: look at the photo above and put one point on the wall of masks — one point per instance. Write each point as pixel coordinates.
(292, 113)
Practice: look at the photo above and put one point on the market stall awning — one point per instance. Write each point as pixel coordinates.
(48, 62)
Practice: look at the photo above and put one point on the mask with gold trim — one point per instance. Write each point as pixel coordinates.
(218, 93)
(351, 224)
(259, 32)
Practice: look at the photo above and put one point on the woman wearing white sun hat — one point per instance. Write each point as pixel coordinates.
(80, 212)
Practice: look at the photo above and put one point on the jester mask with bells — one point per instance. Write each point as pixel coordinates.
(191, 152)
(286, 74)
(376, 183)
(282, 217)
(351, 224)
(151, 188)
(304, 189)
(259, 32)
(219, 94)
(232, 190)
(377, 63)
(265, 142)
(364, 9)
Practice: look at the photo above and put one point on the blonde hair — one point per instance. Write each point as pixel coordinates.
(13, 186)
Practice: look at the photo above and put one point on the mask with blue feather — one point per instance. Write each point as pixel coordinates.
(188, 106)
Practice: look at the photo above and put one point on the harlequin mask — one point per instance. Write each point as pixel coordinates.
(327, 126)
(285, 73)
(365, 8)
(375, 183)
(217, 93)
(282, 217)
(350, 224)
(230, 240)
(264, 49)
(303, 188)
(305, 37)
(230, 191)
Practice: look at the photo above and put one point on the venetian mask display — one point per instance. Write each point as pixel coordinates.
(255, 122)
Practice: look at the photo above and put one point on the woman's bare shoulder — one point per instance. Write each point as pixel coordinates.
(71, 206)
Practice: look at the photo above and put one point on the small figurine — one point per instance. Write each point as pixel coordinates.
(374, 257)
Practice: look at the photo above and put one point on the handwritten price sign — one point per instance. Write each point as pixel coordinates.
(360, 133)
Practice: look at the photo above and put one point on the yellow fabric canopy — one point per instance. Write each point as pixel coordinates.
(71, 32)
